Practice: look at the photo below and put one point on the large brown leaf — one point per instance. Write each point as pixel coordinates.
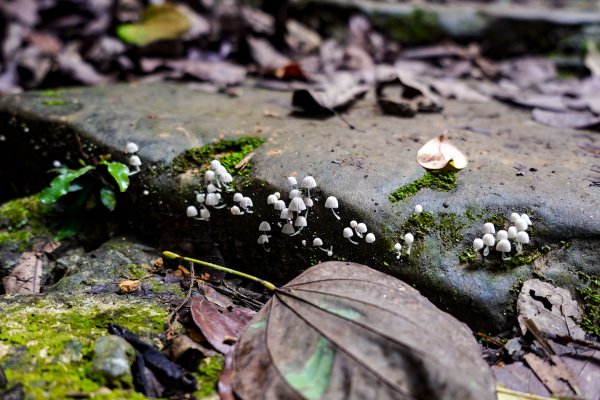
(344, 331)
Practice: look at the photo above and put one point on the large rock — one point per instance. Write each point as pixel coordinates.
(514, 165)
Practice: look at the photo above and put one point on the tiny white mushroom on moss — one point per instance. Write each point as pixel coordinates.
(131, 148)
(317, 242)
(264, 227)
(398, 248)
(527, 219)
(246, 203)
(521, 224)
(288, 229)
(478, 244)
(191, 212)
(263, 239)
(209, 176)
(279, 205)
(136, 163)
(309, 183)
(504, 247)
(277, 194)
(271, 199)
(330, 252)
(295, 193)
(512, 232)
(332, 203)
(286, 214)
(235, 210)
(488, 240)
(360, 229)
(238, 197)
(200, 198)
(210, 188)
(292, 182)
(348, 234)
(204, 214)
(214, 164)
(488, 227)
(409, 239)
(514, 216)
(521, 239)
(297, 205)
(353, 224)
(226, 179)
(501, 235)
(300, 222)
(370, 238)
(418, 209)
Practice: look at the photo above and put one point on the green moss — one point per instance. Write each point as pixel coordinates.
(499, 221)
(525, 258)
(418, 27)
(208, 375)
(138, 271)
(442, 181)
(50, 92)
(46, 343)
(56, 102)
(23, 219)
(228, 152)
(590, 321)
(446, 226)
(468, 256)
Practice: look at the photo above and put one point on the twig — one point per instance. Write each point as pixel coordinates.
(242, 164)
(174, 314)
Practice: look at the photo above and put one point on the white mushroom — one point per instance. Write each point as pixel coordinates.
(297, 205)
(286, 214)
(295, 193)
(409, 239)
(200, 198)
(309, 183)
(348, 234)
(504, 247)
(279, 205)
(263, 239)
(526, 218)
(209, 176)
(214, 164)
(277, 194)
(488, 227)
(246, 203)
(370, 238)
(488, 240)
(204, 214)
(418, 209)
(301, 223)
(131, 148)
(292, 181)
(398, 247)
(308, 202)
(271, 199)
(264, 227)
(353, 224)
(501, 235)
(238, 197)
(317, 242)
(521, 239)
(360, 229)
(478, 244)
(226, 179)
(235, 210)
(332, 203)
(191, 211)
(288, 229)
(512, 232)
(514, 216)
(210, 188)
(136, 163)
(521, 224)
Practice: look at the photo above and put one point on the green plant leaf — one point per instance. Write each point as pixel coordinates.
(120, 172)
(160, 22)
(61, 185)
(108, 198)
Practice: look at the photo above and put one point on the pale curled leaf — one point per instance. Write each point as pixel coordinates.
(341, 322)
(25, 278)
(439, 153)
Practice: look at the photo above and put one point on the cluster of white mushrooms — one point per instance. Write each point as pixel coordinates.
(501, 239)
(216, 178)
(409, 238)
(361, 232)
(134, 159)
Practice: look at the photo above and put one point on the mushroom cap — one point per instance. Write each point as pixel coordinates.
(348, 233)
(288, 229)
(300, 221)
(353, 224)
(212, 199)
(271, 199)
(292, 180)
(220, 170)
(370, 238)
(512, 232)
(521, 224)
(295, 193)
(503, 246)
(526, 218)
(309, 182)
(330, 253)
(522, 237)
(238, 197)
(135, 161)
(331, 202)
(398, 247)
(131, 147)
(246, 202)
(501, 235)
(361, 228)
(438, 153)
(226, 178)
(204, 213)
(264, 226)
(209, 175)
(514, 216)
(478, 244)
(308, 202)
(191, 211)
(488, 227)
(235, 210)
(409, 238)
(488, 239)
(317, 242)
(280, 205)
(418, 209)
(200, 198)
(214, 164)
(277, 194)
(262, 239)
(285, 214)
(297, 205)
(210, 188)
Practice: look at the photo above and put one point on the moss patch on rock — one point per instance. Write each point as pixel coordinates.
(228, 152)
(46, 343)
(442, 181)
(447, 226)
(23, 219)
(590, 321)
(416, 28)
(208, 375)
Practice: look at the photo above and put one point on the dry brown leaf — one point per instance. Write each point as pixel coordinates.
(129, 285)
(25, 278)
(439, 153)
(553, 373)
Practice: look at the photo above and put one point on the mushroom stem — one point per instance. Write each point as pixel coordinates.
(335, 214)
(504, 257)
(265, 247)
(137, 169)
(519, 247)
(486, 251)
(219, 207)
(325, 250)
(297, 232)
(408, 249)
(352, 241)
(358, 233)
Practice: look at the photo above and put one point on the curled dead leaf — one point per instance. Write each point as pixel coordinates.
(439, 153)
(129, 286)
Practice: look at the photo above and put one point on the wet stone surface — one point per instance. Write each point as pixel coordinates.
(515, 165)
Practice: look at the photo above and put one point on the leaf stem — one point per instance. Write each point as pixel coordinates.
(171, 255)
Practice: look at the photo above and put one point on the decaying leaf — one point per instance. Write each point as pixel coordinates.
(336, 96)
(219, 325)
(160, 22)
(343, 330)
(555, 375)
(129, 285)
(439, 153)
(552, 309)
(569, 119)
(25, 278)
